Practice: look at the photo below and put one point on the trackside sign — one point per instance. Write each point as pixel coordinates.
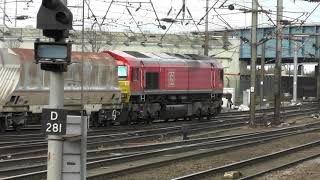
(54, 121)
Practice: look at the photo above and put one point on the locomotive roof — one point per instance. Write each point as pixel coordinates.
(172, 56)
(134, 57)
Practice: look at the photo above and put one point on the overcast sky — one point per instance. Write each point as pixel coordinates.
(119, 18)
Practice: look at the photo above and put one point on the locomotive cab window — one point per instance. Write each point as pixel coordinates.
(122, 72)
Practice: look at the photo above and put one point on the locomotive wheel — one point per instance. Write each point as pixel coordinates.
(199, 115)
(209, 115)
(149, 118)
(2, 125)
(129, 119)
(218, 111)
(94, 116)
(18, 128)
(193, 117)
(95, 124)
(108, 123)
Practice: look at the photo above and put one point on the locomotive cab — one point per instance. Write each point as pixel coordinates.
(124, 82)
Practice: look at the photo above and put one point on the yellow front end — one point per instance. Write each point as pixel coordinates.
(125, 90)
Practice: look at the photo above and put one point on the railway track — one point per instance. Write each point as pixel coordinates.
(257, 165)
(223, 115)
(137, 137)
(172, 157)
(15, 148)
(131, 130)
(181, 150)
(134, 149)
(99, 154)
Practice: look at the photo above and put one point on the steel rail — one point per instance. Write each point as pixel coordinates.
(150, 154)
(129, 138)
(39, 137)
(247, 162)
(199, 154)
(193, 129)
(281, 167)
(149, 147)
(16, 139)
(221, 115)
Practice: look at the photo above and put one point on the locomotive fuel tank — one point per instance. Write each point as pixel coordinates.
(175, 111)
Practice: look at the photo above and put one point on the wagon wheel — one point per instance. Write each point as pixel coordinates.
(219, 110)
(2, 125)
(129, 118)
(199, 114)
(95, 120)
(18, 128)
(108, 123)
(209, 115)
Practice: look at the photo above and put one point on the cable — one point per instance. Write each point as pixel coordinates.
(137, 24)
(265, 13)
(223, 20)
(309, 15)
(207, 12)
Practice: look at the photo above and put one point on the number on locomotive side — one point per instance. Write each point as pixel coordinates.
(54, 127)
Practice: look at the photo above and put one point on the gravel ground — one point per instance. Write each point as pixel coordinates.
(187, 167)
(309, 170)
(272, 163)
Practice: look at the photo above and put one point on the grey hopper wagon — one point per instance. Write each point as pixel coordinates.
(24, 89)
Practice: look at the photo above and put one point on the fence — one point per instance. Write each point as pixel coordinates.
(306, 86)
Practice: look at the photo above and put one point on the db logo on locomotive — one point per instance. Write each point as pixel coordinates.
(171, 79)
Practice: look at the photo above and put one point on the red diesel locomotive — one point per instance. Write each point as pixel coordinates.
(165, 85)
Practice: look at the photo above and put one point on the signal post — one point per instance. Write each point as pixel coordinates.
(55, 19)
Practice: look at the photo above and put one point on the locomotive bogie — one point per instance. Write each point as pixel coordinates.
(171, 108)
